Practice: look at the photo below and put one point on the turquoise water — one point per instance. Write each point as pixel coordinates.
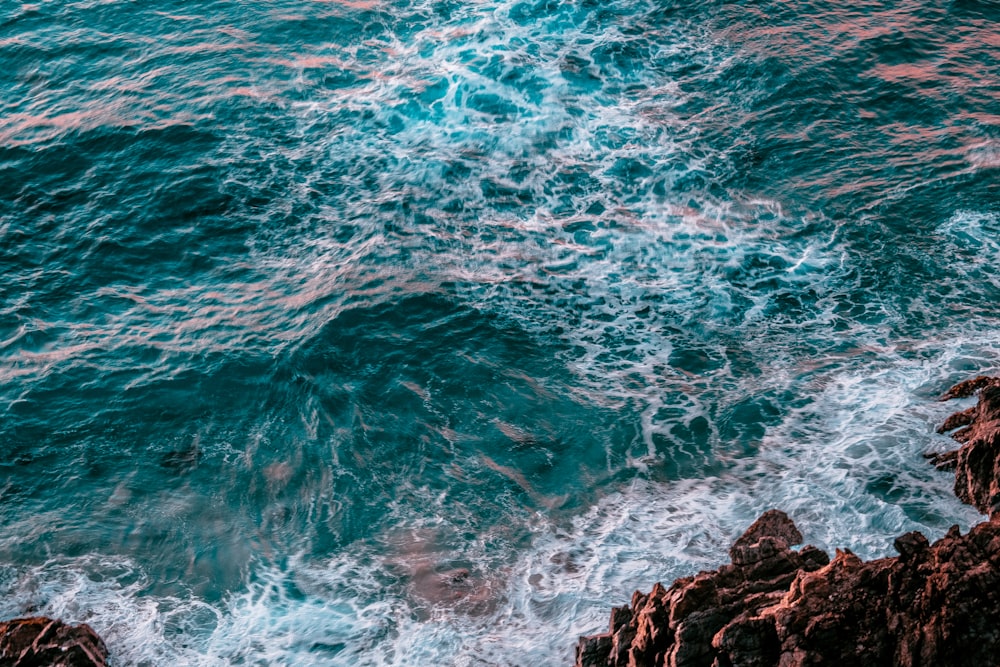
(357, 332)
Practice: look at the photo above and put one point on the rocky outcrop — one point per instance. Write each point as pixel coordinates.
(977, 461)
(932, 605)
(676, 626)
(44, 642)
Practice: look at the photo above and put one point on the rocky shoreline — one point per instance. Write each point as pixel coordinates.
(772, 606)
(43, 642)
(932, 605)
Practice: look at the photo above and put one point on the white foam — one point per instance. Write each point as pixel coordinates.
(869, 416)
(621, 263)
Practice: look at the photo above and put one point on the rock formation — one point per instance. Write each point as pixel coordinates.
(977, 461)
(933, 605)
(44, 642)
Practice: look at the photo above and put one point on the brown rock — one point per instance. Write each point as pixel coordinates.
(959, 419)
(935, 605)
(593, 650)
(676, 626)
(977, 462)
(968, 387)
(44, 642)
(773, 524)
(911, 546)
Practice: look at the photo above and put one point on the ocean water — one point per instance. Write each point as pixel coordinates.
(372, 332)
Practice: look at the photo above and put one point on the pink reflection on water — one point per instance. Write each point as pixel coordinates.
(361, 5)
(311, 61)
(922, 72)
(26, 128)
(207, 47)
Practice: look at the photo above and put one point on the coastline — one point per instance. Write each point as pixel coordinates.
(932, 605)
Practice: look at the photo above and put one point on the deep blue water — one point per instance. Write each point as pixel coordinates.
(355, 332)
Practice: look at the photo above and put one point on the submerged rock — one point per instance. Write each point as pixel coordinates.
(934, 605)
(44, 642)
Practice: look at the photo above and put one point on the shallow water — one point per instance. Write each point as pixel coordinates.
(395, 333)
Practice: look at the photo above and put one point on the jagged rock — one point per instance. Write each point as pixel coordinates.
(935, 605)
(766, 537)
(44, 642)
(977, 462)
(676, 626)
(968, 387)
(911, 545)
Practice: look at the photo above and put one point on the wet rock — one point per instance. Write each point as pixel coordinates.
(969, 387)
(44, 642)
(676, 625)
(767, 537)
(977, 461)
(773, 524)
(594, 650)
(935, 605)
(943, 461)
(931, 606)
(957, 420)
(911, 545)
